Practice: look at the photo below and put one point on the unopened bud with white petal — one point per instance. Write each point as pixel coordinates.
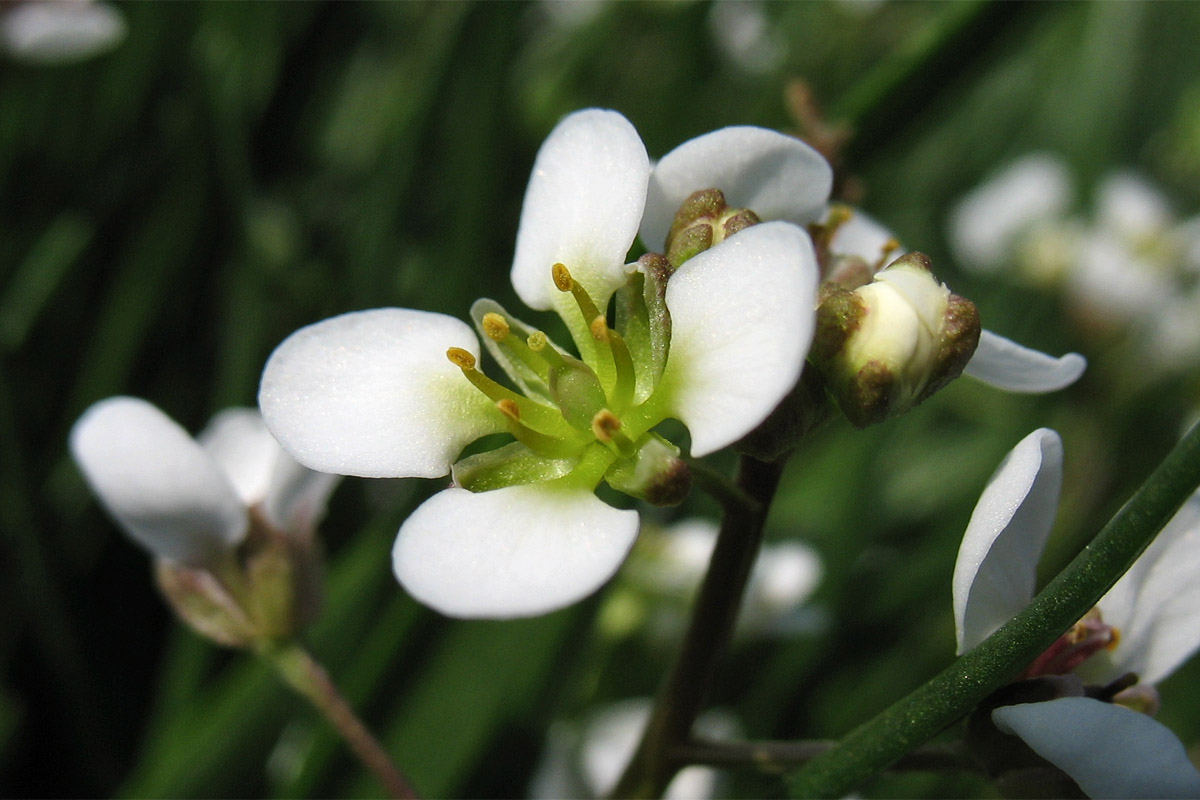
(655, 473)
(704, 220)
(886, 346)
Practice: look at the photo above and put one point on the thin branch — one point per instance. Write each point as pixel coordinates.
(310, 679)
(686, 688)
(781, 756)
(878, 743)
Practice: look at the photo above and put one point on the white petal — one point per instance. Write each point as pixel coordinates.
(1156, 605)
(60, 32)
(1007, 365)
(1109, 750)
(291, 496)
(777, 177)
(237, 439)
(162, 488)
(741, 322)
(996, 567)
(863, 236)
(582, 207)
(371, 393)
(513, 552)
(986, 223)
(1129, 206)
(297, 497)
(612, 734)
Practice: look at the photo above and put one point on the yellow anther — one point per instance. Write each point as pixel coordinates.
(510, 409)
(605, 424)
(885, 253)
(495, 326)
(1115, 633)
(537, 341)
(461, 358)
(599, 329)
(562, 277)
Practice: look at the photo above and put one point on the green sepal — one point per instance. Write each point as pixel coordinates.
(655, 472)
(656, 271)
(514, 464)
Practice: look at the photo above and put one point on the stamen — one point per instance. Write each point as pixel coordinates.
(538, 442)
(885, 253)
(495, 326)
(566, 283)
(622, 394)
(608, 341)
(606, 427)
(540, 345)
(544, 417)
(562, 277)
(461, 358)
(509, 409)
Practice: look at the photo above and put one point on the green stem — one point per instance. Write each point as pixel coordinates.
(686, 688)
(873, 746)
(779, 757)
(310, 679)
(718, 486)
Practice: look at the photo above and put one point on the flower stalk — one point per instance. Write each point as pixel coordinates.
(913, 720)
(660, 754)
(301, 671)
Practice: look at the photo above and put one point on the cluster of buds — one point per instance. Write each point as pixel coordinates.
(887, 344)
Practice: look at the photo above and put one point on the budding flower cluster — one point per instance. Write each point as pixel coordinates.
(887, 345)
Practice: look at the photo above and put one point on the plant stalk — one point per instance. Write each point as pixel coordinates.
(310, 679)
(687, 685)
(913, 720)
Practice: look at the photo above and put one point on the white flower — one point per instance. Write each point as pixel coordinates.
(188, 501)
(670, 565)
(48, 32)
(1108, 750)
(997, 361)
(586, 760)
(396, 392)
(1154, 609)
(988, 222)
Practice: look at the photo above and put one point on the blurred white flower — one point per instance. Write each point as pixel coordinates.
(988, 222)
(669, 565)
(186, 500)
(586, 760)
(1147, 624)
(1131, 265)
(743, 33)
(46, 32)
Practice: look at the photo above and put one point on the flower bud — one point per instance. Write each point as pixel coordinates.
(265, 590)
(654, 473)
(886, 346)
(702, 221)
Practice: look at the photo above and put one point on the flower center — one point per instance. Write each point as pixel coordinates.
(579, 409)
(1086, 637)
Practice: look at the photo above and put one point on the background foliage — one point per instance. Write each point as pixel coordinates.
(170, 211)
